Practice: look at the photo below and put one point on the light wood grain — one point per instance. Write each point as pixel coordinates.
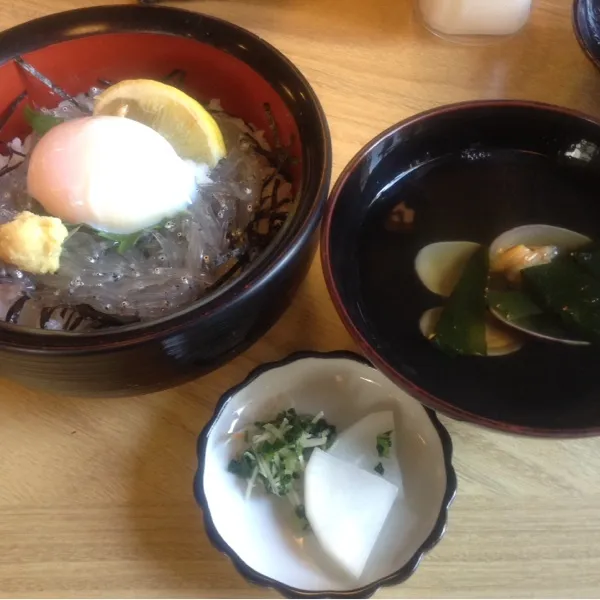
(95, 496)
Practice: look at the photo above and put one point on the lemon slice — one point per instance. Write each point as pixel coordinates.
(188, 127)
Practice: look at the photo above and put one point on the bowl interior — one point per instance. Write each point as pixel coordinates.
(220, 61)
(263, 531)
(78, 64)
(469, 173)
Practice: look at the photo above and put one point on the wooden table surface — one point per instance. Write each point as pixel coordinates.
(95, 496)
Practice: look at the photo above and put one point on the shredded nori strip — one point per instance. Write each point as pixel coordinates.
(14, 312)
(104, 318)
(8, 168)
(237, 266)
(76, 315)
(72, 322)
(272, 125)
(12, 107)
(46, 315)
(267, 216)
(12, 152)
(175, 78)
(48, 83)
(6, 115)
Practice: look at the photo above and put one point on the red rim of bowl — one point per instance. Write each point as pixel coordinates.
(59, 27)
(415, 391)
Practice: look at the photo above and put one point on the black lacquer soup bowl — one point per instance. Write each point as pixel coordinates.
(465, 173)
(586, 24)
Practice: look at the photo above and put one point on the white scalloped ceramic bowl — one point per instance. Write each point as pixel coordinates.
(260, 534)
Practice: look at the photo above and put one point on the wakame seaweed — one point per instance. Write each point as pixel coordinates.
(564, 288)
(588, 257)
(519, 308)
(513, 305)
(461, 327)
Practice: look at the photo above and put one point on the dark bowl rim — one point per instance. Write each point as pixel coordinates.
(287, 591)
(579, 36)
(406, 384)
(177, 22)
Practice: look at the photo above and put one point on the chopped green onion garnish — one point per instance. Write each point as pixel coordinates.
(278, 452)
(384, 444)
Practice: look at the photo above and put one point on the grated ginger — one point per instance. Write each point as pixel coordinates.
(33, 243)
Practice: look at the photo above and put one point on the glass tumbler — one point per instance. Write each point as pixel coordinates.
(474, 21)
